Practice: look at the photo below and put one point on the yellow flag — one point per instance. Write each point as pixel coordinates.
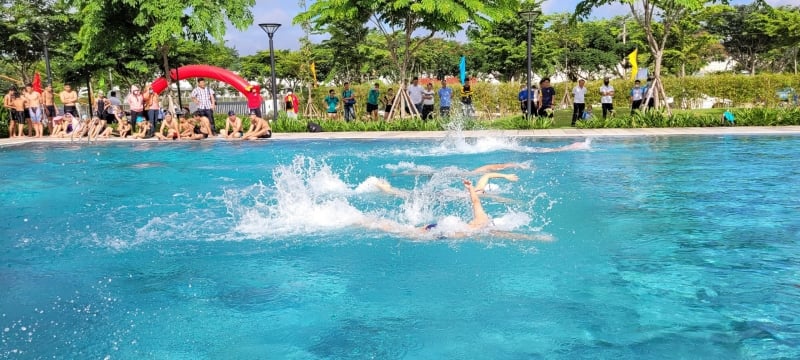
(314, 73)
(634, 66)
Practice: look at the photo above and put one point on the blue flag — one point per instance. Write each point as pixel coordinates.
(462, 67)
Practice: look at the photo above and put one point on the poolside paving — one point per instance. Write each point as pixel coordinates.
(546, 133)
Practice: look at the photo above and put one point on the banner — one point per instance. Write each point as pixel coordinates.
(462, 67)
(634, 65)
(37, 83)
(314, 73)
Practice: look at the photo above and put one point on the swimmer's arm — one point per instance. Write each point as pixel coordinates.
(486, 177)
(495, 167)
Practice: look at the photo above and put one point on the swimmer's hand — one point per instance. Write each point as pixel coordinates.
(512, 177)
(467, 183)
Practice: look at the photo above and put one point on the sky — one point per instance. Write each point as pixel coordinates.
(254, 39)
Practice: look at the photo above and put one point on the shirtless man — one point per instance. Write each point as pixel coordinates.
(8, 104)
(49, 102)
(233, 126)
(259, 128)
(69, 98)
(187, 127)
(19, 103)
(172, 127)
(202, 128)
(34, 100)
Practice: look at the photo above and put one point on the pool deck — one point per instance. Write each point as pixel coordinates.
(548, 133)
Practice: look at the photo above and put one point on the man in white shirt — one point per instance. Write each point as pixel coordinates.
(607, 97)
(637, 94)
(205, 101)
(578, 100)
(415, 94)
(427, 101)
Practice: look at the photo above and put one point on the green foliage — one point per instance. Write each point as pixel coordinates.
(657, 119)
(406, 17)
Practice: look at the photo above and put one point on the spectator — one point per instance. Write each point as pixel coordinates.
(388, 100)
(637, 95)
(647, 93)
(254, 102)
(113, 99)
(349, 100)
(546, 96)
(524, 94)
(233, 126)
(153, 108)
(206, 102)
(135, 102)
(427, 101)
(48, 99)
(292, 104)
(445, 100)
(69, 97)
(415, 94)
(372, 101)
(333, 103)
(607, 98)
(578, 100)
(466, 100)
(8, 104)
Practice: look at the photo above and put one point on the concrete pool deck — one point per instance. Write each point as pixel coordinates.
(548, 133)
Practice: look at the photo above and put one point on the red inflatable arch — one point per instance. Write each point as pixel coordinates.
(252, 92)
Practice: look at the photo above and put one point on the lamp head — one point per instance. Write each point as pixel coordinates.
(270, 28)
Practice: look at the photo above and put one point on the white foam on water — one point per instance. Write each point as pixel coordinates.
(308, 197)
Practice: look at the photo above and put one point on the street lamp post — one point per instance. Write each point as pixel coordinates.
(44, 38)
(270, 30)
(529, 16)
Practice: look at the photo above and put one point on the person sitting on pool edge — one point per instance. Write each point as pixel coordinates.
(259, 128)
(172, 129)
(233, 126)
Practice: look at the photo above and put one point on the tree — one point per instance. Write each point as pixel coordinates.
(692, 47)
(162, 24)
(649, 14)
(742, 32)
(404, 17)
(783, 25)
(29, 26)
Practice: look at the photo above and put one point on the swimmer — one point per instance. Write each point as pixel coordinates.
(480, 221)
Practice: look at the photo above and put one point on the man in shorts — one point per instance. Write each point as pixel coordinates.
(34, 102)
(50, 111)
(259, 128)
(69, 98)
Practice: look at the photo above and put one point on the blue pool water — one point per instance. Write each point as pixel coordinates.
(679, 247)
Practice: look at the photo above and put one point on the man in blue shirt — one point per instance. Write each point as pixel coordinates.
(523, 96)
(445, 100)
(546, 96)
(349, 100)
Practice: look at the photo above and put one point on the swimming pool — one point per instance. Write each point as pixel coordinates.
(664, 247)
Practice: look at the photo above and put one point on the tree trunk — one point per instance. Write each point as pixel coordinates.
(658, 54)
(683, 70)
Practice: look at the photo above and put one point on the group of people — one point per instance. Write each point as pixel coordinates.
(146, 117)
(422, 99)
(542, 98)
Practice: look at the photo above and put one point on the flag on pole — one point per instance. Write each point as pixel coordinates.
(462, 67)
(314, 73)
(634, 65)
(37, 83)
